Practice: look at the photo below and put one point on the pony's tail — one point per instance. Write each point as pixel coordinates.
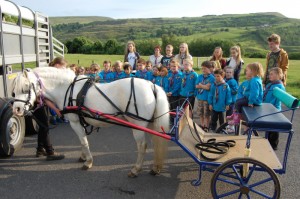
(162, 116)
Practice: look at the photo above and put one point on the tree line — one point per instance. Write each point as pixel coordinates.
(197, 47)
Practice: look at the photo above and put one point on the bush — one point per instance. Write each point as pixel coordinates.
(204, 47)
(256, 55)
(295, 56)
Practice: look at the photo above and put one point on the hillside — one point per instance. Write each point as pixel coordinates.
(249, 30)
(79, 19)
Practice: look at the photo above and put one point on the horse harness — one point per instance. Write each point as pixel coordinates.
(80, 99)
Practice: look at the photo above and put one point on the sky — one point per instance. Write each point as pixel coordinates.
(159, 8)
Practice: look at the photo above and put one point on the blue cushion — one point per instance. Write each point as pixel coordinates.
(276, 121)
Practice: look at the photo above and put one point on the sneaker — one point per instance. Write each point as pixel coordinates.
(55, 156)
(40, 153)
(230, 129)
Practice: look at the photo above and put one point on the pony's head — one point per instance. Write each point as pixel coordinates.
(25, 89)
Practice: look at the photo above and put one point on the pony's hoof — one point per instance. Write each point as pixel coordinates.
(84, 167)
(81, 160)
(131, 175)
(154, 173)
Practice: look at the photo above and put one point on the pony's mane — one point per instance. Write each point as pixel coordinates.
(19, 83)
(57, 75)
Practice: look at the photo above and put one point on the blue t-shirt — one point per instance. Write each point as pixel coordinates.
(219, 96)
(234, 86)
(268, 96)
(242, 89)
(254, 91)
(175, 80)
(107, 76)
(188, 83)
(202, 94)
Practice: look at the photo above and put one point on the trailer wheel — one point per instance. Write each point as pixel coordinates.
(245, 178)
(12, 130)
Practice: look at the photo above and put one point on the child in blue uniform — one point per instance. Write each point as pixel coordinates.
(119, 73)
(142, 71)
(253, 93)
(219, 99)
(232, 83)
(275, 76)
(203, 84)
(189, 78)
(127, 70)
(107, 74)
(94, 71)
(175, 80)
(149, 66)
(242, 89)
(162, 79)
(155, 74)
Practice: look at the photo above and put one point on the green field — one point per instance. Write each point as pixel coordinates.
(293, 72)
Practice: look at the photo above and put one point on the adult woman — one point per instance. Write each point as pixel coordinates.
(45, 147)
(156, 58)
(131, 55)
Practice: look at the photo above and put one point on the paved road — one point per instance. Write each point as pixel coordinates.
(114, 151)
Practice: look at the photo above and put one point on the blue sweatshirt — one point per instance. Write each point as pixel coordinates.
(119, 75)
(219, 96)
(107, 76)
(233, 85)
(254, 91)
(163, 82)
(242, 89)
(143, 74)
(175, 80)
(268, 94)
(202, 94)
(188, 83)
(128, 75)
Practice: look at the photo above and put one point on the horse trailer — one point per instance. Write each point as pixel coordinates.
(26, 40)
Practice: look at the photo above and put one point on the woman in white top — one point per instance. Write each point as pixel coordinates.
(235, 61)
(131, 55)
(156, 58)
(183, 54)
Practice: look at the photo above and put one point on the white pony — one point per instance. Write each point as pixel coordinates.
(55, 83)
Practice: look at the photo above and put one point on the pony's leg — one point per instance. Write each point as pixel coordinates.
(160, 146)
(140, 139)
(86, 155)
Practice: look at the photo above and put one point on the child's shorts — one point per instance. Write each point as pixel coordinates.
(203, 108)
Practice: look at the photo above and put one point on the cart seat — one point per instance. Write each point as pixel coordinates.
(276, 121)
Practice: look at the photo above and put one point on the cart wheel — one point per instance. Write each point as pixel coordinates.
(222, 130)
(227, 181)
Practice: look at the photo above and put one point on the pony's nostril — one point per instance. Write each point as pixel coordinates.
(18, 109)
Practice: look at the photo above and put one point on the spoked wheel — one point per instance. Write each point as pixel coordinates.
(260, 181)
(223, 129)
